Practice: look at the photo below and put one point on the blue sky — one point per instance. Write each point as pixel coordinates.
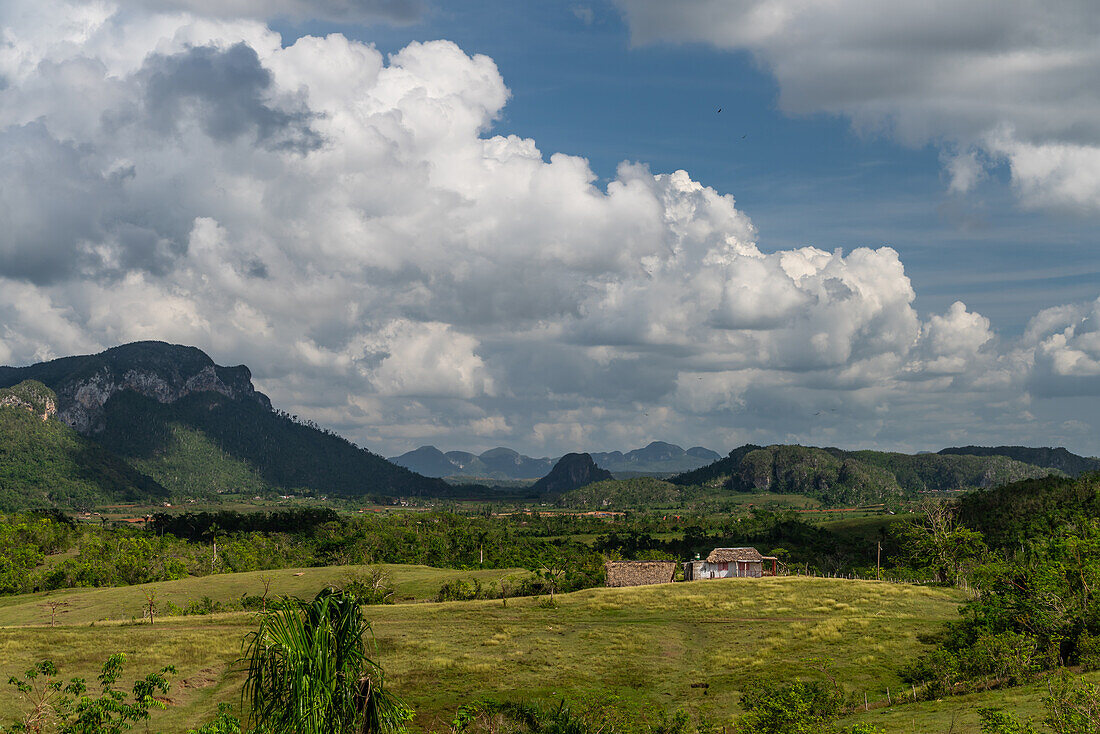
(580, 86)
(887, 238)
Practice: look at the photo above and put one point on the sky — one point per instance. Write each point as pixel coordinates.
(563, 226)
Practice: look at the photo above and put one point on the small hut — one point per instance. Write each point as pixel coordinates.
(640, 573)
(725, 563)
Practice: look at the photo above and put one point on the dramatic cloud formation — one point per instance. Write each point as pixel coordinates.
(349, 226)
(1015, 81)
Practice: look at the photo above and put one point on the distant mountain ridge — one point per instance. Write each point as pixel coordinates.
(498, 463)
(838, 477)
(658, 457)
(175, 413)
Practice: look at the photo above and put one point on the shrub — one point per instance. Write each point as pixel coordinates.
(371, 586)
(1009, 657)
(937, 670)
(462, 590)
(1088, 651)
(799, 708)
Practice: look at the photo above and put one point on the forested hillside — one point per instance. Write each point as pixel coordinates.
(848, 477)
(1052, 458)
(245, 443)
(44, 463)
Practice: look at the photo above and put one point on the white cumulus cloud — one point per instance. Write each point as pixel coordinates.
(349, 225)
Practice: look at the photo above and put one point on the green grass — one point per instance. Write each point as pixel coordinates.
(799, 501)
(411, 583)
(863, 527)
(639, 647)
(958, 714)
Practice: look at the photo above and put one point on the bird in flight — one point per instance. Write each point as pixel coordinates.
(719, 110)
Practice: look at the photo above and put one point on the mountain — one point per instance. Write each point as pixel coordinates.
(656, 458)
(572, 471)
(513, 465)
(498, 463)
(163, 372)
(1051, 458)
(426, 460)
(1011, 515)
(718, 472)
(45, 463)
(196, 426)
(839, 477)
(504, 463)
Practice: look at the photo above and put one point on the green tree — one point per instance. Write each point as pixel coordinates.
(939, 543)
(309, 673)
(1073, 708)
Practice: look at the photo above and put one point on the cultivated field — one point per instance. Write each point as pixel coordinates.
(638, 650)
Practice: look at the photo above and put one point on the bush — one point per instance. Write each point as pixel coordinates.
(1088, 651)
(72, 707)
(1009, 657)
(224, 723)
(937, 670)
(369, 587)
(995, 721)
(464, 590)
(799, 708)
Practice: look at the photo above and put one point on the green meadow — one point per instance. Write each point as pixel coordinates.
(124, 603)
(637, 651)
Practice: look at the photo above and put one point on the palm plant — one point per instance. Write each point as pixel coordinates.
(309, 673)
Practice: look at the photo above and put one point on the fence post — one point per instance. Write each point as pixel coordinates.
(889, 700)
(866, 706)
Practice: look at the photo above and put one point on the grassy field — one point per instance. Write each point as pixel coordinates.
(637, 649)
(959, 714)
(410, 583)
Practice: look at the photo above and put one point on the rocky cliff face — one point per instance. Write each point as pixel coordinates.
(31, 396)
(163, 372)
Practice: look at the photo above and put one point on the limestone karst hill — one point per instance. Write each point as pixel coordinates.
(571, 472)
(838, 477)
(197, 426)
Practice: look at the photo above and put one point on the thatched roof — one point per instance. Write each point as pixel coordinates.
(729, 555)
(639, 573)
